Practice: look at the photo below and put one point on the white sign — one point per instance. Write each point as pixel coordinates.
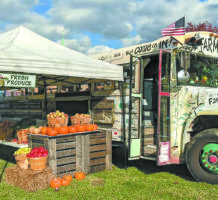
(19, 80)
(212, 97)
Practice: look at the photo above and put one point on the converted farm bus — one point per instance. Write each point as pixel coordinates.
(167, 109)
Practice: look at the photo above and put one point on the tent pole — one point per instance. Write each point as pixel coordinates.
(45, 92)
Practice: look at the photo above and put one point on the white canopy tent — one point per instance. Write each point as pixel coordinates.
(23, 51)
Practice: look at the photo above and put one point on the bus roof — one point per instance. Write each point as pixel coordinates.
(209, 47)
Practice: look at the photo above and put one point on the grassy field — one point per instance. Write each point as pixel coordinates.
(141, 180)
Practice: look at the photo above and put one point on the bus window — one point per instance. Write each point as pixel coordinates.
(202, 71)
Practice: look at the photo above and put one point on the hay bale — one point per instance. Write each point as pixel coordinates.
(28, 180)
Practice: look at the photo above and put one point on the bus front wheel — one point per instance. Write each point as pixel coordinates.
(202, 156)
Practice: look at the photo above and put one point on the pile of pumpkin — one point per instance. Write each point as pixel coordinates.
(57, 182)
(53, 131)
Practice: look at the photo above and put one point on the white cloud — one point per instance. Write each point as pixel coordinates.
(82, 44)
(131, 41)
(110, 19)
(98, 49)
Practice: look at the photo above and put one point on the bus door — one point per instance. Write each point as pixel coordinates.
(163, 129)
(133, 124)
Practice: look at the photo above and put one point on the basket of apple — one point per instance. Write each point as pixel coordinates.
(37, 158)
(57, 119)
(21, 157)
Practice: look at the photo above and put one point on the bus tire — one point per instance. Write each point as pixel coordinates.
(202, 156)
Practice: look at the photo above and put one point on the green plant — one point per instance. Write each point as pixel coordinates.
(25, 122)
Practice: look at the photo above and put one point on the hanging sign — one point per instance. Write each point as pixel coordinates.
(18, 80)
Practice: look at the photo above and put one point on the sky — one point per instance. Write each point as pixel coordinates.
(94, 26)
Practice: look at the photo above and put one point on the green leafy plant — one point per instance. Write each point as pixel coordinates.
(25, 122)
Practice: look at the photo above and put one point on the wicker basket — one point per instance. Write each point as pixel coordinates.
(75, 120)
(85, 120)
(21, 160)
(80, 120)
(57, 122)
(38, 163)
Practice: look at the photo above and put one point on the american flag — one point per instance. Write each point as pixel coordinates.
(174, 29)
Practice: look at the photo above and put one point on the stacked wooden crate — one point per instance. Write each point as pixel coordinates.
(88, 151)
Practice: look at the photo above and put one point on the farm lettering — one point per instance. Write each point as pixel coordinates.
(210, 45)
(213, 100)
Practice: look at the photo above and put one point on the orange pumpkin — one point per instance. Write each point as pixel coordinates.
(76, 127)
(44, 130)
(81, 128)
(72, 129)
(63, 130)
(52, 132)
(79, 175)
(90, 127)
(69, 177)
(64, 181)
(55, 183)
(95, 127)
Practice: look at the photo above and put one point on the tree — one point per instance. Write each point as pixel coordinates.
(205, 26)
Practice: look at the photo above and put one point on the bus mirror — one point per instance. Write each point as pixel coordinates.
(183, 77)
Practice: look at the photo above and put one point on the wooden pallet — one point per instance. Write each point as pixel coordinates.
(88, 151)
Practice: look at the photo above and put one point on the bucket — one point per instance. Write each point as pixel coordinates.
(21, 160)
(38, 163)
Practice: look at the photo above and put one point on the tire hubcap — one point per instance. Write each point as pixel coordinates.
(213, 159)
(209, 158)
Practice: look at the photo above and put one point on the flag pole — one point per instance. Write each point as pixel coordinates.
(62, 41)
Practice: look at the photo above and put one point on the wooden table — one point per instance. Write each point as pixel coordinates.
(7, 150)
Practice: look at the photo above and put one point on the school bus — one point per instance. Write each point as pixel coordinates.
(167, 108)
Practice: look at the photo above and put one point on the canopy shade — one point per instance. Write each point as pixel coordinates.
(24, 51)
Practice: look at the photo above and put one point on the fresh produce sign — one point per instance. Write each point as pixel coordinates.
(19, 80)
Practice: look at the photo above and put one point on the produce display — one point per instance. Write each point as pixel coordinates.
(20, 157)
(37, 158)
(57, 119)
(80, 119)
(37, 152)
(57, 114)
(67, 129)
(58, 182)
(24, 150)
(22, 136)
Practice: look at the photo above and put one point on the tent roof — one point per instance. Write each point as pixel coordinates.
(24, 51)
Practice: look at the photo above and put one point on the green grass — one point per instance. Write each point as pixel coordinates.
(141, 180)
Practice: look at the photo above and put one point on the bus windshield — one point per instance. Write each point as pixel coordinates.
(196, 70)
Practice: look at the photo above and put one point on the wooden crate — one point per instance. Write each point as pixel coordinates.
(88, 151)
